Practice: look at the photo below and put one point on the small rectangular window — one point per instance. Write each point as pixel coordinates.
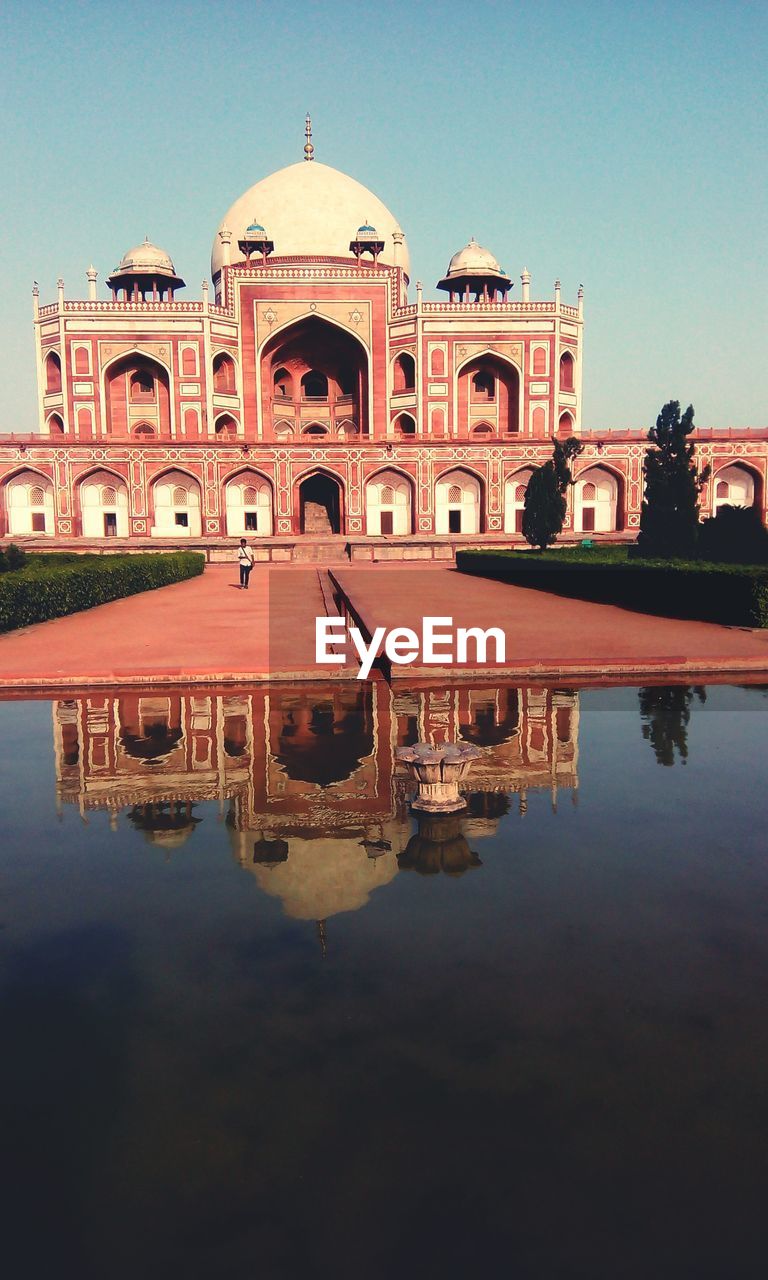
(38, 522)
(182, 519)
(387, 523)
(454, 522)
(251, 522)
(110, 525)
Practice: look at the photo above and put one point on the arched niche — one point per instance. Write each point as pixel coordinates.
(735, 485)
(29, 504)
(567, 365)
(488, 389)
(404, 425)
(458, 503)
(225, 427)
(176, 503)
(596, 501)
(314, 368)
(248, 503)
(137, 389)
(52, 371)
(224, 374)
(103, 497)
(389, 504)
(320, 504)
(403, 373)
(514, 499)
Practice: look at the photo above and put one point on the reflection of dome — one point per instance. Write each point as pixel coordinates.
(165, 823)
(473, 259)
(322, 876)
(309, 209)
(321, 743)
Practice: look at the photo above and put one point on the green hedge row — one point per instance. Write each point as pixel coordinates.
(49, 590)
(731, 594)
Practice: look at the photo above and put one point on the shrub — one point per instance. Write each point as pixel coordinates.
(50, 590)
(12, 558)
(728, 594)
(736, 535)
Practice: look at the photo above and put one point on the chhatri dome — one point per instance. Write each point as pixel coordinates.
(146, 259)
(474, 270)
(311, 210)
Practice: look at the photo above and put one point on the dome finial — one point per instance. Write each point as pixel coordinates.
(309, 150)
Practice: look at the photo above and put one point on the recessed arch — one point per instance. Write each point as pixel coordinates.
(459, 501)
(316, 360)
(403, 372)
(128, 402)
(319, 500)
(52, 368)
(515, 487)
(176, 515)
(736, 484)
(224, 374)
(248, 502)
(565, 423)
(102, 497)
(567, 370)
(489, 386)
(404, 425)
(598, 500)
(225, 426)
(55, 424)
(29, 503)
(389, 502)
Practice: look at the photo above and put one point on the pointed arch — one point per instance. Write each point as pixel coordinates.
(319, 501)
(459, 501)
(103, 506)
(488, 385)
(309, 348)
(736, 484)
(248, 502)
(176, 497)
(28, 498)
(389, 502)
(515, 486)
(598, 499)
(124, 405)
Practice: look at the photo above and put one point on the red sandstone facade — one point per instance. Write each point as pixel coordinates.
(312, 403)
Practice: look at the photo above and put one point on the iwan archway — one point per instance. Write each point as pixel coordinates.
(320, 505)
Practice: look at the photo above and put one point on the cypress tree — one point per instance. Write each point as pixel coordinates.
(545, 501)
(669, 516)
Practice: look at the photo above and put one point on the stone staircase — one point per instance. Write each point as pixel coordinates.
(332, 549)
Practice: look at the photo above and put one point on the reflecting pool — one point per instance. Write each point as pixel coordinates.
(258, 1019)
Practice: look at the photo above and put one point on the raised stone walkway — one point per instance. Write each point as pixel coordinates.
(207, 631)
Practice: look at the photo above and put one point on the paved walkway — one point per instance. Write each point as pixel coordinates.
(206, 631)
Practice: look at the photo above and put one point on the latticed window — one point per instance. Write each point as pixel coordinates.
(250, 496)
(37, 496)
(520, 492)
(109, 496)
(180, 497)
(590, 492)
(454, 493)
(387, 493)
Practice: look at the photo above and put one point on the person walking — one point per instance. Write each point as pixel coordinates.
(245, 559)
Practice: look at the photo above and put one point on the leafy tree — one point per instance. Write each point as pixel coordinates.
(545, 501)
(669, 516)
(665, 712)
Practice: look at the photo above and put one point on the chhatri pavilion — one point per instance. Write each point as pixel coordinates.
(311, 404)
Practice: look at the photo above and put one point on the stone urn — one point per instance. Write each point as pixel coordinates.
(438, 772)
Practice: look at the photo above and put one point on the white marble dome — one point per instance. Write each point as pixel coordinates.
(311, 210)
(146, 259)
(473, 259)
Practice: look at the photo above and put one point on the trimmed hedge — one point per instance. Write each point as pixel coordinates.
(733, 594)
(50, 590)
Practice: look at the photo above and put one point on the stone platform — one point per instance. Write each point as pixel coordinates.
(207, 631)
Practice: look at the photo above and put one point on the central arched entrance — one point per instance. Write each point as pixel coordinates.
(320, 505)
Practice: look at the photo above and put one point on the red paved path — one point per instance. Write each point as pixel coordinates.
(207, 631)
(548, 634)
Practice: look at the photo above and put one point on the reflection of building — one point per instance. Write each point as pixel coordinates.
(315, 807)
(311, 397)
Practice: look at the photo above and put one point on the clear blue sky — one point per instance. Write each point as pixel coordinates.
(622, 145)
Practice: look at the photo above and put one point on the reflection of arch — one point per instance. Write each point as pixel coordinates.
(389, 503)
(403, 372)
(489, 386)
(137, 389)
(103, 498)
(323, 740)
(736, 485)
(596, 501)
(320, 503)
(176, 501)
(458, 502)
(514, 500)
(248, 503)
(495, 718)
(29, 503)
